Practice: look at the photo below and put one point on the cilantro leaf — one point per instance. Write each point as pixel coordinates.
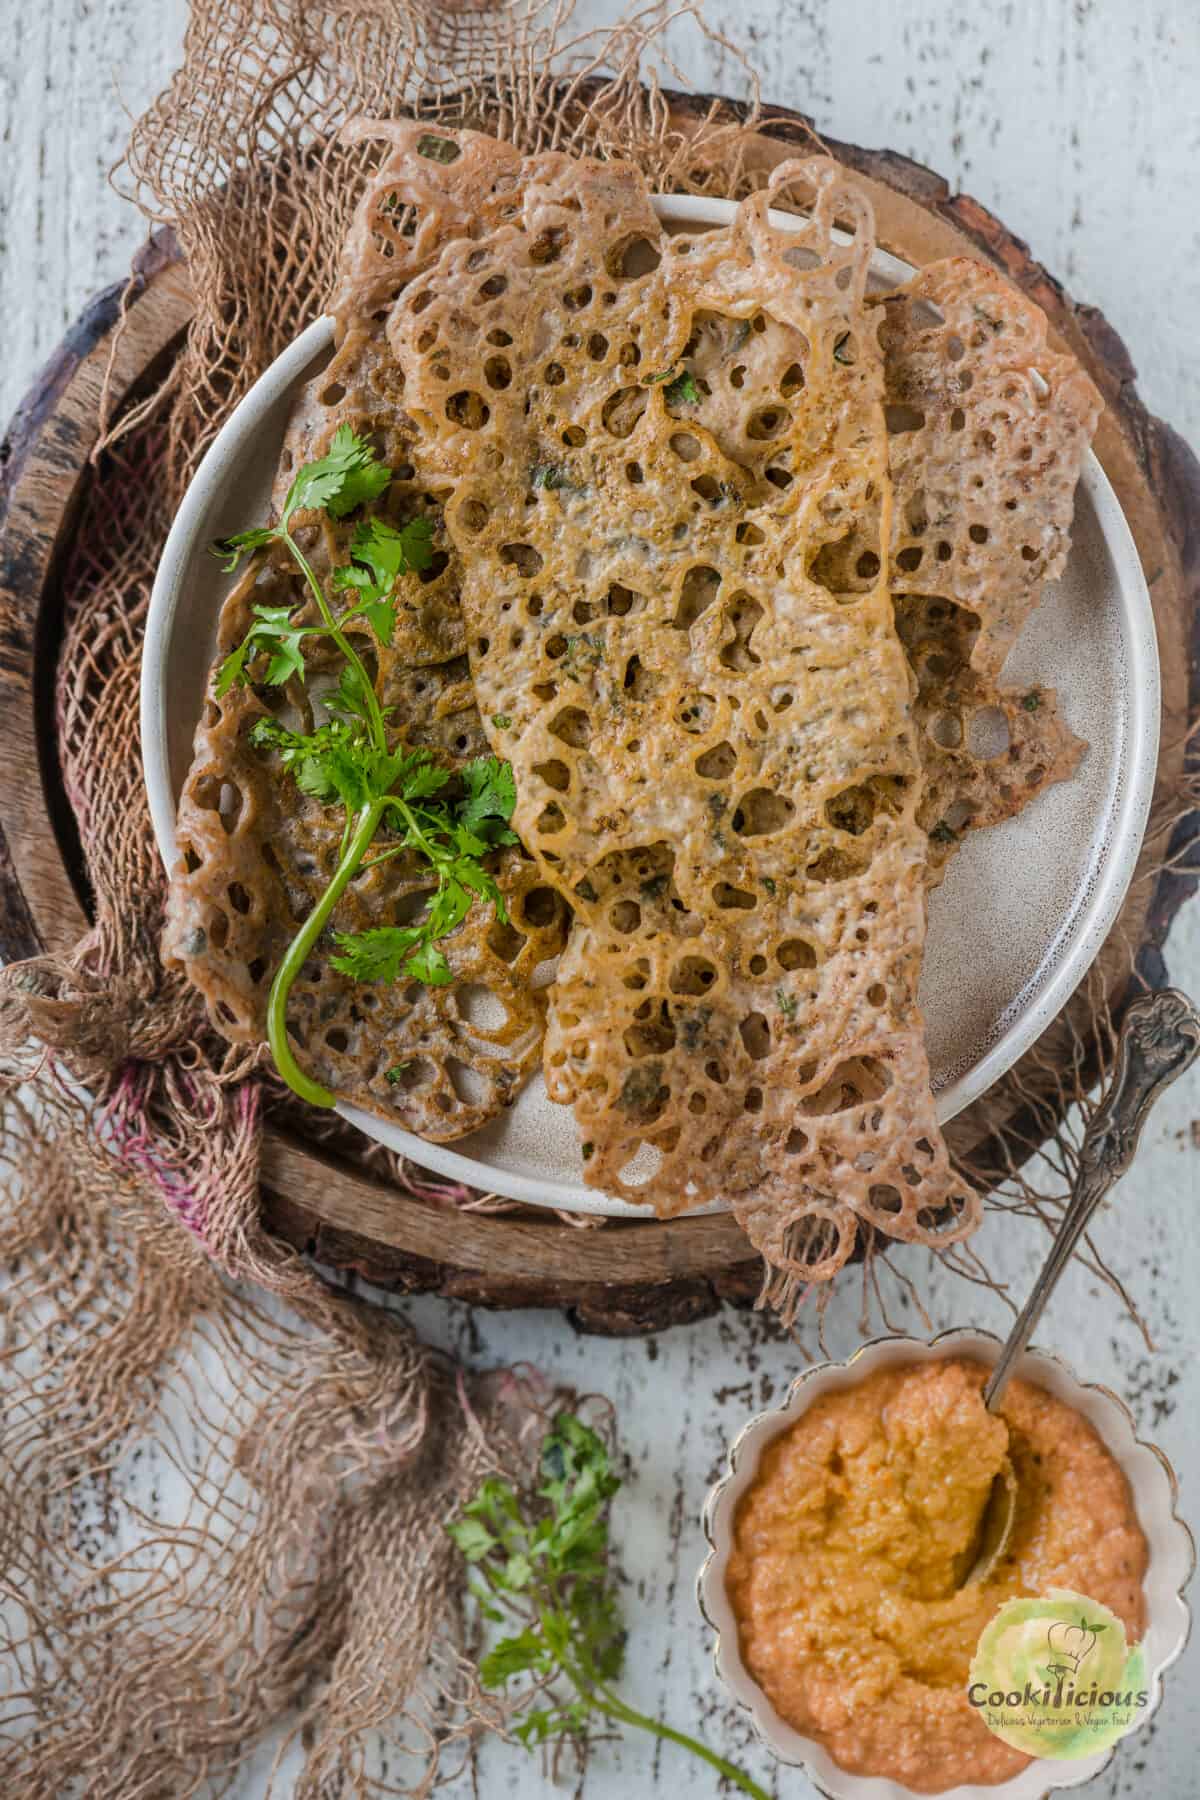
(472, 1537)
(375, 955)
(242, 543)
(683, 391)
(272, 634)
(429, 965)
(380, 554)
(232, 669)
(346, 476)
(541, 1575)
(418, 777)
(491, 793)
(349, 698)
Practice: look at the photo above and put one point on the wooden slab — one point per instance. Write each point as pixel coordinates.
(621, 1277)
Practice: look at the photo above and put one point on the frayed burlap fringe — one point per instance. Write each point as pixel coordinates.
(148, 1323)
(309, 1590)
(321, 1445)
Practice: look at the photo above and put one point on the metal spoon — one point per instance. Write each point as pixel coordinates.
(1159, 1039)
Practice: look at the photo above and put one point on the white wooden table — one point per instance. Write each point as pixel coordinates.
(1078, 122)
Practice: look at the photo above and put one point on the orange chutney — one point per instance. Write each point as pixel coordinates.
(850, 1542)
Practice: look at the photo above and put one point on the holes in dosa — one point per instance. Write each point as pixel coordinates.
(761, 812)
(555, 774)
(572, 727)
(694, 712)
(732, 899)
(541, 908)
(855, 808)
(768, 422)
(622, 410)
(639, 682)
(549, 246)
(795, 953)
(212, 794)
(901, 419)
(942, 1220)
(755, 1034)
(693, 975)
(632, 258)
(834, 864)
(625, 916)
(410, 1075)
(845, 566)
(686, 447)
(987, 733)
(652, 1034)
(620, 601)
(853, 1083)
(469, 409)
(742, 615)
(504, 940)
(697, 592)
(523, 557)
(718, 763)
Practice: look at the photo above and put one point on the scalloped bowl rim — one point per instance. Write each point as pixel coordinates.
(1149, 1472)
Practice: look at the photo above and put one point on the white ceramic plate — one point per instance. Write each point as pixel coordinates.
(1012, 929)
(1152, 1484)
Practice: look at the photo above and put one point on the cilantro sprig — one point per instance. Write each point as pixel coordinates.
(541, 1577)
(387, 792)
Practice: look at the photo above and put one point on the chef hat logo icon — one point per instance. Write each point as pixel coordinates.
(1070, 1644)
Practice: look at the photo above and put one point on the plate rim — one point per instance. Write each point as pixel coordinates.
(1089, 925)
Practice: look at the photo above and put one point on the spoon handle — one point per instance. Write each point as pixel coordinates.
(1160, 1038)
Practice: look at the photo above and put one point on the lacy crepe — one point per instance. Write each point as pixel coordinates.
(715, 753)
(256, 852)
(678, 607)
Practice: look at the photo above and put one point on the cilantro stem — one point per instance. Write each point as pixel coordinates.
(615, 1708)
(297, 955)
(374, 714)
(347, 758)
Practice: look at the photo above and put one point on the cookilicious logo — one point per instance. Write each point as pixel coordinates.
(1054, 1676)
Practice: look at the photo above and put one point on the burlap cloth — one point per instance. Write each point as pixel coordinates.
(146, 1314)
